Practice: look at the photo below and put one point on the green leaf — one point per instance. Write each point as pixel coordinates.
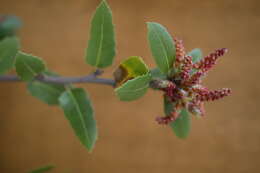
(42, 169)
(130, 68)
(101, 45)
(181, 126)
(8, 25)
(133, 89)
(28, 66)
(8, 49)
(156, 73)
(162, 46)
(196, 55)
(78, 110)
(46, 92)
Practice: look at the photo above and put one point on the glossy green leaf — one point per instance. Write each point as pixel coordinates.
(8, 50)
(162, 46)
(42, 169)
(181, 126)
(101, 45)
(196, 55)
(46, 92)
(28, 66)
(8, 25)
(78, 110)
(133, 89)
(130, 68)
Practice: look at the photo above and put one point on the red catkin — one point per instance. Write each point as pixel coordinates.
(186, 68)
(167, 119)
(187, 63)
(208, 61)
(213, 95)
(170, 89)
(184, 89)
(194, 79)
(180, 52)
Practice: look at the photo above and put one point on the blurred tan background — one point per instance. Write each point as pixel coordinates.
(226, 140)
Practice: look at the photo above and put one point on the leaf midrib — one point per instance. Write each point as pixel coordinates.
(101, 41)
(29, 68)
(80, 113)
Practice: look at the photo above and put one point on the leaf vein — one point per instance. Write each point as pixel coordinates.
(80, 113)
(101, 41)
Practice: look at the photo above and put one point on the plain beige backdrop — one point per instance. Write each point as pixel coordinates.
(226, 140)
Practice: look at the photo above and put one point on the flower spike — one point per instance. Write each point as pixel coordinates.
(207, 62)
(184, 88)
(168, 119)
(180, 52)
(213, 95)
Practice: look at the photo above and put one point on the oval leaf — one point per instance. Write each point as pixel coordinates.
(181, 126)
(162, 46)
(8, 25)
(130, 68)
(28, 66)
(46, 92)
(8, 49)
(78, 110)
(196, 55)
(133, 89)
(101, 45)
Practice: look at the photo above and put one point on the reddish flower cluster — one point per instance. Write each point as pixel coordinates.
(180, 52)
(184, 87)
(210, 60)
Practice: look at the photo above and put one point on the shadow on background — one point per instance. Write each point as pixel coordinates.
(226, 140)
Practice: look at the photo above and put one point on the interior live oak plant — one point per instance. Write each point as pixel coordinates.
(178, 75)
